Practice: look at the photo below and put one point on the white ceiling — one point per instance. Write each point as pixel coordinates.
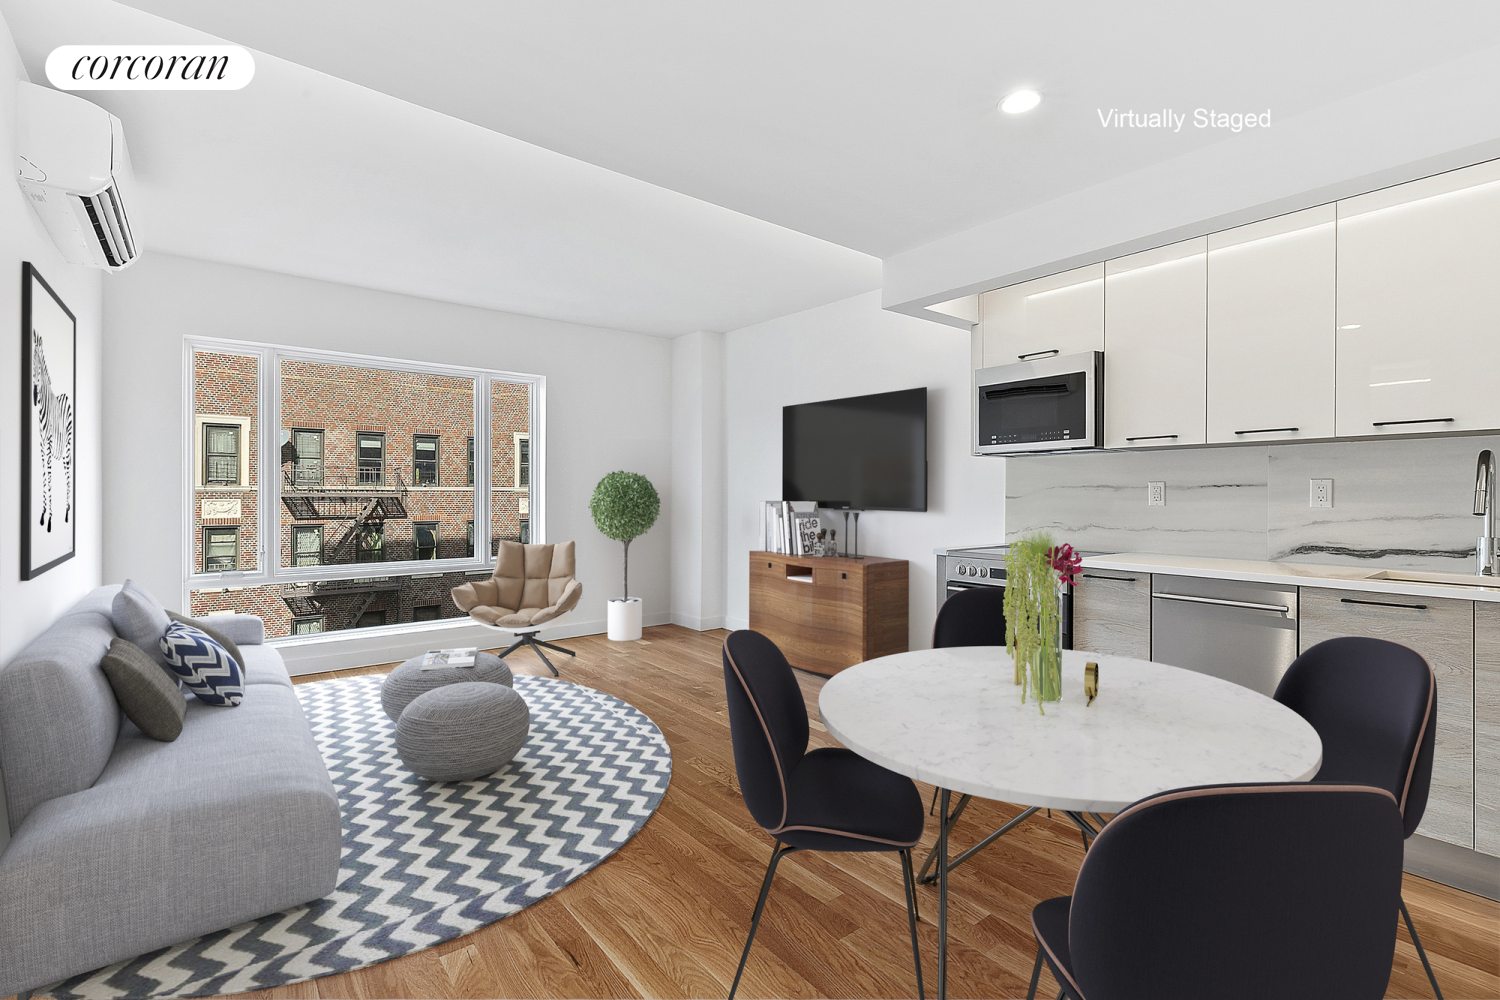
(868, 123)
(308, 174)
(672, 166)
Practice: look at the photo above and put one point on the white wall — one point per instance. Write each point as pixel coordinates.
(608, 406)
(850, 348)
(698, 481)
(28, 607)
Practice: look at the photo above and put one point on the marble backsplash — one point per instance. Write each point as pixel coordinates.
(1404, 504)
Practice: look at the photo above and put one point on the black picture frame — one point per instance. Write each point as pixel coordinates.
(47, 449)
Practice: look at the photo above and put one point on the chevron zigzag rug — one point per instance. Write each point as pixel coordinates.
(425, 862)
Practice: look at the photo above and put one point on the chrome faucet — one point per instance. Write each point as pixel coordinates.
(1488, 550)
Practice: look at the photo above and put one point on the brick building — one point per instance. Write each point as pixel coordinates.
(377, 466)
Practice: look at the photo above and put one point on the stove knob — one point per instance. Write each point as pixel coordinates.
(963, 570)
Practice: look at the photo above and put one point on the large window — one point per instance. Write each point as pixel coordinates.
(327, 463)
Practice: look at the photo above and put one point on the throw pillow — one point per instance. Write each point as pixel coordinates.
(213, 634)
(139, 618)
(146, 695)
(204, 666)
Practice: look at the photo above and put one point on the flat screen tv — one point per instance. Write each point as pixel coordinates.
(860, 453)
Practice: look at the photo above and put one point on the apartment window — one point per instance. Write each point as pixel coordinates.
(424, 450)
(369, 543)
(427, 539)
(370, 619)
(523, 460)
(524, 531)
(427, 612)
(469, 538)
(221, 549)
(469, 462)
(221, 454)
(307, 545)
(371, 458)
(307, 626)
(307, 469)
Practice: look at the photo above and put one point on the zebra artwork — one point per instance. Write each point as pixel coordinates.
(54, 419)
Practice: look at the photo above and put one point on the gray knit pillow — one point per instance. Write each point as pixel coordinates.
(140, 618)
(214, 634)
(148, 697)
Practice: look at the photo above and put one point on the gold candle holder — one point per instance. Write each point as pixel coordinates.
(1091, 681)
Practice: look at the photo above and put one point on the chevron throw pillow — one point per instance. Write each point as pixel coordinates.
(204, 666)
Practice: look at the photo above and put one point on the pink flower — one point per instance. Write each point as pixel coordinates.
(1065, 561)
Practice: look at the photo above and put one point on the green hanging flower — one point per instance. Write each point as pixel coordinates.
(1031, 622)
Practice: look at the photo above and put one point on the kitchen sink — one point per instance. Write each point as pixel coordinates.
(1438, 579)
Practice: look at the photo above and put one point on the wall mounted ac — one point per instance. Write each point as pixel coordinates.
(73, 166)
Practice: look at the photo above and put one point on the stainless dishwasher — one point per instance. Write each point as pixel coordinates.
(1242, 632)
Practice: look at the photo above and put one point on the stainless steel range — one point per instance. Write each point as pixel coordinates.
(984, 566)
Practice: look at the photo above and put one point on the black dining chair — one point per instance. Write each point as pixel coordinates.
(1237, 892)
(829, 799)
(1374, 706)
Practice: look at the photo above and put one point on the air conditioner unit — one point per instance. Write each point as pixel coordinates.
(73, 166)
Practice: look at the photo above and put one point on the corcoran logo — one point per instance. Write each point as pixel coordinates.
(150, 67)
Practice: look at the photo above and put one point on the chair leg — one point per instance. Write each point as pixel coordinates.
(760, 904)
(933, 807)
(1420, 953)
(512, 648)
(908, 884)
(538, 651)
(551, 645)
(1036, 975)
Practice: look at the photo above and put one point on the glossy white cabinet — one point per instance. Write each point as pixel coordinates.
(1059, 314)
(1419, 306)
(1271, 329)
(1154, 327)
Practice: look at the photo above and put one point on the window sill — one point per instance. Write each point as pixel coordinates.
(372, 632)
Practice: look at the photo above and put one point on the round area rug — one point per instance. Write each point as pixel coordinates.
(425, 862)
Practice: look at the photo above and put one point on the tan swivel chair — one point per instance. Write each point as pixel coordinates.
(533, 585)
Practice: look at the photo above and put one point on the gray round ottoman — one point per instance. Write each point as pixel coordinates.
(409, 680)
(462, 731)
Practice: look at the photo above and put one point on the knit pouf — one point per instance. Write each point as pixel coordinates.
(462, 731)
(409, 680)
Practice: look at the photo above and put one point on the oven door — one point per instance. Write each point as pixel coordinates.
(1056, 404)
(1064, 609)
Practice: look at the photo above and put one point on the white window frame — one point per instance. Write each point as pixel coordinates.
(268, 488)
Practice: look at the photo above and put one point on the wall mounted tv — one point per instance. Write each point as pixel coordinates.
(860, 453)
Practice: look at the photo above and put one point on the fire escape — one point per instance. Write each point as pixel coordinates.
(365, 498)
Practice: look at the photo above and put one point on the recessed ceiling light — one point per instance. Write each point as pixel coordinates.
(1020, 102)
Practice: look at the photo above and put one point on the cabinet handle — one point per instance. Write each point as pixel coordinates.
(1429, 420)
(1153, 437)
(1037, 354)
(1228, 604)
(1117, 579)
(1270, 430)
(1384, 604)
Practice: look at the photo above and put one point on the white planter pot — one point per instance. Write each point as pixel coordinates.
(625, 620)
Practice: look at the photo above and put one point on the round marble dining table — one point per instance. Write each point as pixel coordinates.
(954, 718)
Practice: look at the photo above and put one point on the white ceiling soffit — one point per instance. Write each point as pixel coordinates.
(868, 123)
(307, 174)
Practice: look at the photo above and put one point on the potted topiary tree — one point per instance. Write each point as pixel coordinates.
(625, 506)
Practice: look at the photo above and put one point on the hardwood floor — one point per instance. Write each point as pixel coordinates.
(667, 915)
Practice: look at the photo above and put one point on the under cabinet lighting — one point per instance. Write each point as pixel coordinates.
(1351, 326)
(1020, 101)
(1404, 381)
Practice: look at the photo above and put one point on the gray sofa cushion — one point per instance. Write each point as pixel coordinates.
(140, 618)
(263, 665)
(58, 716)
(212, 633)
(146, 695)
(245, 630)
(162, 848)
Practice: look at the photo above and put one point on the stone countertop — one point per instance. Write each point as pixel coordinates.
(1294, 574)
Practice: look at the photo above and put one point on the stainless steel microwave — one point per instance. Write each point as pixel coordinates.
(1052, 404)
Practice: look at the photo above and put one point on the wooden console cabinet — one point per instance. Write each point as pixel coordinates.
(828, 613)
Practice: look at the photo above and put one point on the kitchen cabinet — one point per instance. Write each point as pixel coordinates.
(1059, 314)
(1487, 727)
(1271, 329)
(1442, 630)
(1155, 328)
(1418, 323)
(1112, 613)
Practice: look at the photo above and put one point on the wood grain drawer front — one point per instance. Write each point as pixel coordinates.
(1442, 630)
(826, 614)
(1487, 727)
(1112, 613)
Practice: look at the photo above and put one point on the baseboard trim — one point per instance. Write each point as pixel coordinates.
(332, 651)
(1459, 867)
(698, 624)
(735, 624)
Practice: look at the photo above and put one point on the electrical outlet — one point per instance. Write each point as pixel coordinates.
(1320, 492)
(1156, 494)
